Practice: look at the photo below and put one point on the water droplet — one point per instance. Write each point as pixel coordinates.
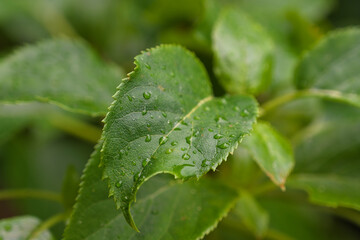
(148, 125)
(164, 114)
(130, 98)
(163, 140)
(197, 118)
(223, 145)
(195, 134)
(147, 66)
(162, 131)
(220, 119)
(194, 152)
(236, 108)
(245, 113)
(118, 184)
(186, 156)
(183, 149)
(211, 130)
(218, 136)
(144, 112)
(148, 138)
(205, 163)
(136, 176)
(174, 143)
(188, 140)
(184, 123)
(232, 135)
(145, 162)
(177, 129)
(168, 151)
(121, 153)
(133, 163)
(147, 95)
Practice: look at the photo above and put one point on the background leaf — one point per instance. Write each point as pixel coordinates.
(329, 190)
(253, 215)
(64, 72)
(331, 65)
(164, 119)
(164, 208)
(20, 228)
(243, 53)
(272, 152)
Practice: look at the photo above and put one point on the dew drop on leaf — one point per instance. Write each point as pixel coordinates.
(147, 95)
(223, 146)
(188, 140)
(118, 184)
(145, 162)
(130, 98)
(211, 130)
(186, 156)
(163, 140)
(245, 113)
(218, 136)
(174, 143)
(168, 151)
(148, 138)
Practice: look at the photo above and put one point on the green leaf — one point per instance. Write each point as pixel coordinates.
(70, 187)
(272, 152)
(165, 209)
(63, 72)
(329, 190)
(254, 217)
(243, 53)
(20, 228)
(165, 120)
(331, 69)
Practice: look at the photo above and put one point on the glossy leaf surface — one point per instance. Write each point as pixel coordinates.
(165, 209)
(272, 152)
(63, 72)
(243, 53)
(331, 66)
(165, 119)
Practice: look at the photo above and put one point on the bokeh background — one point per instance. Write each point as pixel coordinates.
(38, 153)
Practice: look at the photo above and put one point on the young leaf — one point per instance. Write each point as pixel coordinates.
(165, 119)
(331, 69)
(272, 152)
(63, 72)
(329, 190)
(20, 228)
(254, 217)
(243, 53)
(165, 209)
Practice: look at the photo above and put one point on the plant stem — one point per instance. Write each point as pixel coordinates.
(76, 127)
(279, 101)
(49, 223)
(30, 193)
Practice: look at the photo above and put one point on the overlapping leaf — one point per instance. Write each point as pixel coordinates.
(165, 119)
(272, 152)
(243, 53)
(20, 228)
(331, 69)
(165, 209)
(64, 72)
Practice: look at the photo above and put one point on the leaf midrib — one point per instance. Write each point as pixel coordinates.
(200, 103)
